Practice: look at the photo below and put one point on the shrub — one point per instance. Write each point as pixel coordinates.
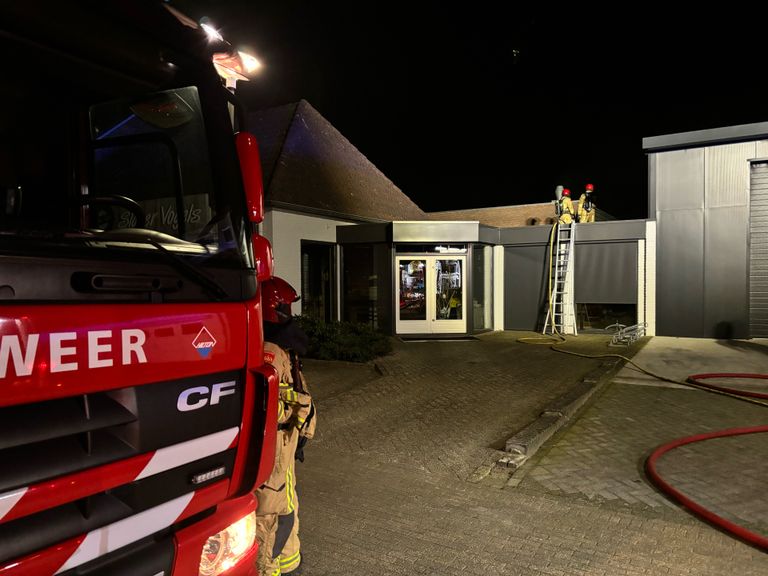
(343, 340)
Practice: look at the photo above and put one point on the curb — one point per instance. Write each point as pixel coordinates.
(527, 441)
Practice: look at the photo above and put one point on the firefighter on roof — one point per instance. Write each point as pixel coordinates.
(277, 522)
(587, 205)
(565, 208)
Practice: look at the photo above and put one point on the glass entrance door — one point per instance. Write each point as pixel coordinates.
(431, 295)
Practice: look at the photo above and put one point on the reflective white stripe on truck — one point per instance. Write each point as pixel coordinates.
(113, 536)
(9, 500)
(163, 459)
(189, 451)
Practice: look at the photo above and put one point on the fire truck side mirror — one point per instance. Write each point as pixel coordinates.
(250, 166)
(262, 256)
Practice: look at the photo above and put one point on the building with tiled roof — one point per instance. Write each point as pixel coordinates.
(358, 248)
(310, 167)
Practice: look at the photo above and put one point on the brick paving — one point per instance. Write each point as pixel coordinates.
(601, 454)
(390, 484)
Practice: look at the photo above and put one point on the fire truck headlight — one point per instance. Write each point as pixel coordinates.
(224, 550)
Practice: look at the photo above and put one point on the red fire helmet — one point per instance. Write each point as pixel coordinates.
(276, 298)
(590, 187)
(566, 192)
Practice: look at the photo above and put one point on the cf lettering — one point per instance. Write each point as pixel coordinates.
(183, 404)
(198, 396)
(221, 390)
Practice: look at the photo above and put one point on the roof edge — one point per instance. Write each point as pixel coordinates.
(738, 133)
(312, 211)
(283, 139)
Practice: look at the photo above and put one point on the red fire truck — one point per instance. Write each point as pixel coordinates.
(136, 415)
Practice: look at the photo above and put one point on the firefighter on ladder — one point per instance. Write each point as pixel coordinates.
(587, 205)
(277, 518)
(565, 210)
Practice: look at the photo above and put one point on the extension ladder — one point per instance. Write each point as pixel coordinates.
(561, 314)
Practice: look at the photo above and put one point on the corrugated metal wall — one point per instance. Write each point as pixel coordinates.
(762, 149)
(726, 307)
(758, 255)
(680, 250)
(726, 218)
(702, 213)
(727, 174)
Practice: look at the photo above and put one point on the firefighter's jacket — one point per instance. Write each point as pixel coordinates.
(295, 417)
(586, 209)
(567, 213)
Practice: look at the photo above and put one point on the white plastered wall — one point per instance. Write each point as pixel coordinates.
(285, 231)
(647, 271)
(498, 288)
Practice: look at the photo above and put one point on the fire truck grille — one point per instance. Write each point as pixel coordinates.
(53, 438)
(179, 434)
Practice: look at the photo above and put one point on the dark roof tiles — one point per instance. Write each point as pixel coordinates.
(311, 166)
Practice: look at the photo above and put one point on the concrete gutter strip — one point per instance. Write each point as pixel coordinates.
(530, 438)
(527, 441)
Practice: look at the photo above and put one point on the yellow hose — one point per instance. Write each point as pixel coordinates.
(659, 376)
(559, 340)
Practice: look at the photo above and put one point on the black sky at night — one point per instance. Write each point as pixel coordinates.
(488, 103)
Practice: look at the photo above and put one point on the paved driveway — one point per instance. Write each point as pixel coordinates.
(391, 484)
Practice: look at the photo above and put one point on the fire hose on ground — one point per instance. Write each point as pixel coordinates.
(694, 381)
(651, 470)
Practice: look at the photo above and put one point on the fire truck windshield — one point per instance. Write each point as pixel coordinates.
(145, 179)
(105, 174)
(153, 151)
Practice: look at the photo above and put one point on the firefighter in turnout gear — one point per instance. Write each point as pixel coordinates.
(565, 208)
(277, 520)
(587, 205)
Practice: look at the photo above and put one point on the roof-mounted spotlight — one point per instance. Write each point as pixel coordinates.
(234, 66)
(250, 63)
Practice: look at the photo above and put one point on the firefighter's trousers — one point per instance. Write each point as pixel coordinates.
(276, 516)
(587, 216)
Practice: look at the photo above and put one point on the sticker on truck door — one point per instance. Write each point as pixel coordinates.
(204, 342)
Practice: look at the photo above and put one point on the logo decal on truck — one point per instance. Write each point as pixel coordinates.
(204, 342)
(198, 396)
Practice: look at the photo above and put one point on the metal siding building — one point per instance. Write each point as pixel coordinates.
(704, 188)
